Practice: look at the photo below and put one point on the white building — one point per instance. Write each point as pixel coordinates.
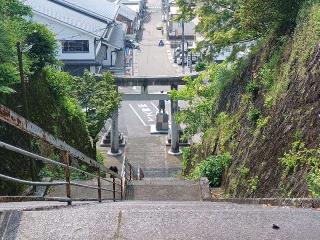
(137, 6)
(129, 17)
(89, 36)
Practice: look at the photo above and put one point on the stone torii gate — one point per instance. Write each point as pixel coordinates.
(144, 83)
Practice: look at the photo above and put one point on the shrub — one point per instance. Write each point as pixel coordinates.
(300, 156)
(213, 168)
(201, 66)
(186, 155)
(244, 171)
(253, 184)
(253, 115)
(252, 88)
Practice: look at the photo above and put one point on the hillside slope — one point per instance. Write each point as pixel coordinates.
(267, 118)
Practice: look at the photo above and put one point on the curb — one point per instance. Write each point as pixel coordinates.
(280, 202)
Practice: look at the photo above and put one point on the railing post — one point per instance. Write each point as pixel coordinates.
(121, 190)
(99, 184)
(114, 188)
(130, 171)
(67, 174)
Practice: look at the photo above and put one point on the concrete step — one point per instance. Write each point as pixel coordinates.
(165, 190)
(85, 193)
(169, 220)
(161, 172)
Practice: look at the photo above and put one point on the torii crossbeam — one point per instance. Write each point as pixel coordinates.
(145, 82)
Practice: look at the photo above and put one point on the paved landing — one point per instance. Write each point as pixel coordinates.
(163, 220)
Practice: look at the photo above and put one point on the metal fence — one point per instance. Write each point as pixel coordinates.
(117, 182)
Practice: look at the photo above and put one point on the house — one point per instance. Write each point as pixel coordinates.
(137, 6)
(89, 36)
(129, 17)
(174, 29)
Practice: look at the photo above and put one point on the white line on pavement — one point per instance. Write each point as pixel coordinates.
(155, 106)
(144, 124)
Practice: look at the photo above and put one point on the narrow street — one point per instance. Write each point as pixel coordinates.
(135, 117)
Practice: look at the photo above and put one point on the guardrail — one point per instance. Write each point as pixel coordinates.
(68, 152)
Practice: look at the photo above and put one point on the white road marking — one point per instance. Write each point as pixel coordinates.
(155, 106)
(144, 124)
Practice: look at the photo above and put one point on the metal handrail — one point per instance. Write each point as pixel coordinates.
(19, 122)
(12, 179)
(50, 161)
(23, 124)
(50, 183)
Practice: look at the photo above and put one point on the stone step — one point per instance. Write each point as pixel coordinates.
(164, 190)
(161, 172)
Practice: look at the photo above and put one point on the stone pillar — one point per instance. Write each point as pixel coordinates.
(144, 89)
(174, 127)
(115, 144)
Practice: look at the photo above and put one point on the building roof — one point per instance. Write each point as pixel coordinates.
(67, 16)
(127, 12)
(133, 7)
(102, 9)
(116, 36)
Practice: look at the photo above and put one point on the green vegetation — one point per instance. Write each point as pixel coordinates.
(300, 156)
(253, 114)
(235, 101)
(230, 22)
(212, 168)
(54, 98)
(200, 66)
(99, 98)
(58, 172)
(244, 171)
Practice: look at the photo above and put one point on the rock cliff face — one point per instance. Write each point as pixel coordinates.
(278, 106)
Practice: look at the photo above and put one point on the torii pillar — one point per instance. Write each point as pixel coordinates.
(174, 150)
(115, 143)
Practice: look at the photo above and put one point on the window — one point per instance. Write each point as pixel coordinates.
(75, 46)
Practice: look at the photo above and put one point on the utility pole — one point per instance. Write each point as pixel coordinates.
(124, 56)
(191, 61)
(132, 65)
(182, 47)
(26, 109)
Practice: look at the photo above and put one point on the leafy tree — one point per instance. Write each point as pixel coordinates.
(85, 89)
(227, 23)
(12, 27)
(43, 46)
(99, 97)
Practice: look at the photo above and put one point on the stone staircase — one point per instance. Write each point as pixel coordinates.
(168, 189)
(161, 172)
